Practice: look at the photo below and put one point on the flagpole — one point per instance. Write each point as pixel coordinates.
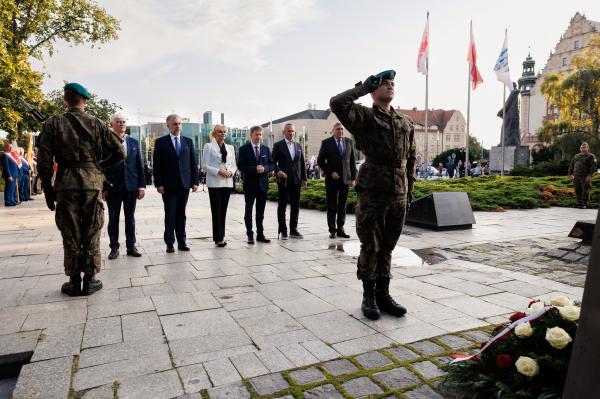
(503, 126)
(468, 107)
(427, 105)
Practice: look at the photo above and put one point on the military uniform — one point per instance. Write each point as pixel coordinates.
(384, 181)
(78, 183)
(582, 166)
(383, 186)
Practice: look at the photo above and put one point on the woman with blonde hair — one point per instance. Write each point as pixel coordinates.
(218, 159)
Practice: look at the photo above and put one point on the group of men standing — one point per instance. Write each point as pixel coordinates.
(84, 147)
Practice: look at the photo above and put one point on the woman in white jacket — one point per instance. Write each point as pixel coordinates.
(218, 159)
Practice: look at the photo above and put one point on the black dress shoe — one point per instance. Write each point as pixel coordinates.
(114, 253)
(296, 234)
(332, 234)
(263, 239)
(250, 240)
(342, 234)
(132, 251)
(283, 236)
(170, 249)
(183, 247)
(221, 244)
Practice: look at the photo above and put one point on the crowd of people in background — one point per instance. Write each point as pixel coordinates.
(19, 174)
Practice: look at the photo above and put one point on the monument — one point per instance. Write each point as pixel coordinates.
(514, 153)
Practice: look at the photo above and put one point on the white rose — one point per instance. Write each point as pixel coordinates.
(523, 330)
(557, 337)
(561, 300)
(527, 366)
(569, 313)
(534, 307)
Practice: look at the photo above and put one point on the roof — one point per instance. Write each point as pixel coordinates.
(437, 117)
(306, 114)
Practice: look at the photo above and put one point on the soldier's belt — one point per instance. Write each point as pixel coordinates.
(76, 164)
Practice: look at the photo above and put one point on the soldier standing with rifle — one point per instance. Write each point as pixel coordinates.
(383, 186)
(75, 140)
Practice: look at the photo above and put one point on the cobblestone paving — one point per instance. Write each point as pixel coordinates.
(559, 259)
(279, 319)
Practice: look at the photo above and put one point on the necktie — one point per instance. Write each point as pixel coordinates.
(177, 146)
(340, 148)
(257, 152)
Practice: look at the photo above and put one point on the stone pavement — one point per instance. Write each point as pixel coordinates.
(166, 325)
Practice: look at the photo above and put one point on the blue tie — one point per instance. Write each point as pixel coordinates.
(177, 146)
(340, 148)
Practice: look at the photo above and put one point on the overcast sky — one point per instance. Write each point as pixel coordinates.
(260, 59)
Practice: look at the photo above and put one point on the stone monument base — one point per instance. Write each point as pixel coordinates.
(513, 156)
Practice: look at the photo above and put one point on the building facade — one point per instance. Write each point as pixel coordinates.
(447, 129)
(312, 127)
(534, 107)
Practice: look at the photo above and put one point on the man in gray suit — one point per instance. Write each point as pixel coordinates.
(336, 159)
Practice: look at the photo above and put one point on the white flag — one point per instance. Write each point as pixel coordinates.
(501, 68)
(423, 57)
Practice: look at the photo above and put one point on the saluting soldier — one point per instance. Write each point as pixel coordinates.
(76, 140)
(581, 169)
(384, 183)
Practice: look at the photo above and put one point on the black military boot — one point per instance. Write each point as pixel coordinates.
(91, 285)
(369, 305)
(385, 302)
(73, 286)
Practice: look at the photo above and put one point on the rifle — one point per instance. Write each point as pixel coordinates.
(36, 113)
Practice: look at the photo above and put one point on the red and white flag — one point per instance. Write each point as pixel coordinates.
(423, 57)
(476, 78)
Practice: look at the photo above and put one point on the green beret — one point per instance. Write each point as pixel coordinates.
(386, 75)
(79, 89)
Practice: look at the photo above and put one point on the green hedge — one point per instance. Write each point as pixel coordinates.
(486, 193)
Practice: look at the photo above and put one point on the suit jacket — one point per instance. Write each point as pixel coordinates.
(9, 166)
(295, 169)
(212, 163)
(169, 170)
(247, 163)
(128, 175)
(330, 160)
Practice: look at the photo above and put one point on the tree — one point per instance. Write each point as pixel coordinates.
(98, 107)
(575, 97)
(30, 28)
(476, 151)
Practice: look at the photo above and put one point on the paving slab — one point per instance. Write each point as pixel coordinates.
(269, 384)
(194, 378)
(231, 391)
(163, 385)
(17, 347)
(105, 331)
(221, 372)
(307, 376)
(323, 392)
(373, 360)
(423, 392)
(428, 369)
(397, 378)
(340, 367)
(361, 387)
(47, 379)
(59, 342)
(248, 365)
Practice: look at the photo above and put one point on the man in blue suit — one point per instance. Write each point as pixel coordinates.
(175, 172)
(126, 184)
(10, 173)
(255, 162)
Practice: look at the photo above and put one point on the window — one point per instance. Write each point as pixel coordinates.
(576, 44)
(564, 61)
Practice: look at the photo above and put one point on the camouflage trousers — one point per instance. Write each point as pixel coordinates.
(379, 222)
(583, 190)
(79, 217)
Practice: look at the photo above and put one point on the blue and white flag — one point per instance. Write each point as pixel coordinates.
(501, 68)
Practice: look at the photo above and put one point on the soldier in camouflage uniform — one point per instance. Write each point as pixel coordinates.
(581, 169)
(75, 140)
(384, 183)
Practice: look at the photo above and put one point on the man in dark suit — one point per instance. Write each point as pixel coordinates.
(126, 184)
(255, 162)
(291, 176)
(175, 172)
(336, 159)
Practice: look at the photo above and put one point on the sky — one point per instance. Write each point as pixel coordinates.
(257, 60)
